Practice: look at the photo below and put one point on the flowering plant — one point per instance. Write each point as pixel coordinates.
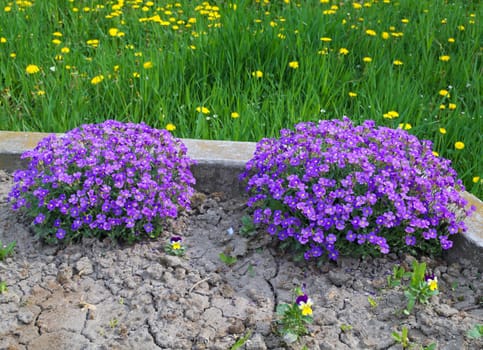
(115, 179)
(421, 288)
(175, 246)
(293, 317)
(326, 185)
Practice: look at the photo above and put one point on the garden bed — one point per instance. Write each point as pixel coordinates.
(97, 295)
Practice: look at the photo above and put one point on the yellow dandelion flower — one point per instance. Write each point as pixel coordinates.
(148, 65)
(461, 28)
(397, 63)
(343, 51)
(444, 58)
(459, 145)
(3, 40)
(391, 115)
(97, 79)
(442, 106)
(367, 59)
(32, 69)
(451, 40)
(136, 75)
(352, 94)
(385, 35)
(371, 32)
(452, 106)
(7, 8)
(203, 110)
(57, 34)
(65, 50)
(293, 64)
(444, 21)
(13, 55)
(113, 31)
(405, 20)
(326, 39)
(476, 179)
(56, 41)
(170, 127)
(235, 115)
(116, 68)
(257, 74)
(93, 42)
(356, 5)
(444, 93)
(442, 130)
(40, 92)
(405, 126)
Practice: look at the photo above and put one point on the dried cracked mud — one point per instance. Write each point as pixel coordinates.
(103, 295)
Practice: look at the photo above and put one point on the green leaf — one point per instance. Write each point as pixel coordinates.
(241, 341)
(419, 269)
(290, 337)
(282, 309)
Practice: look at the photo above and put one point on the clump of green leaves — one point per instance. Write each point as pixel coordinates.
(248, 228)
(295, 316)
(227, 259)
(403, 339)
(398, 273)
(372, 301)
(476, 332)
(345, 327)
(3, 287)
(6, 249)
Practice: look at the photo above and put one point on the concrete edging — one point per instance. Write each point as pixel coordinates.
(219, 164)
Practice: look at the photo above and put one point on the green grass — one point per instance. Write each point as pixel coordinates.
(204, 54)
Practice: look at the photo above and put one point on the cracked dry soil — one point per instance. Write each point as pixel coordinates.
(103, 295)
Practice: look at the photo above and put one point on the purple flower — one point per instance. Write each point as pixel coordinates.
(125, 175)
(174, 239)
(148, 227)
(302, 299)
(39, 219)
(371, 185)
(60, 233)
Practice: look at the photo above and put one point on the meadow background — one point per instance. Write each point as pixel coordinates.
(243, 70)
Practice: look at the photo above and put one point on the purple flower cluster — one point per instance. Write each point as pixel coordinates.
(331, 183)
(116, 179)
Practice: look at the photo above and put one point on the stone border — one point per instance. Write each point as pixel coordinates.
(218, 165)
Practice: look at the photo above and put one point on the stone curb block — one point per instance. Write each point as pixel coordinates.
(219, 163)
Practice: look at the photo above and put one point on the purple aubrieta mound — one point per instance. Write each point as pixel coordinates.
(110, 179)
(332, 183)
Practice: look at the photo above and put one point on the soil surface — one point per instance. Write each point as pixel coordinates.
(103, 295)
